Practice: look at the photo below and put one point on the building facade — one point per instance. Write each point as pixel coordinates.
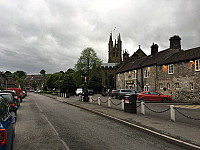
(35, 82)
(115, 61)
(173, 71)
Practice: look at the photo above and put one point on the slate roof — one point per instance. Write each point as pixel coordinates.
(35, 77)
(183, 55)
(148, 60)
(167, 56)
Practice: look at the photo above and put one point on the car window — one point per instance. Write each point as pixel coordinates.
(154, 93)
(4, 110)
(146, 93)
(8, 97)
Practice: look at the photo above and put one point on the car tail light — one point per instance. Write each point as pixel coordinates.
(3, 137)
(12, 105)
(16, 97)
(112, 92)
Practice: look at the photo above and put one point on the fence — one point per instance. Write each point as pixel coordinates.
(171, 108)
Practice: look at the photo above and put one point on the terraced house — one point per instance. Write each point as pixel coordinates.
(172, 71)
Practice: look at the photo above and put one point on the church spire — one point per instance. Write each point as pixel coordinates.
(111, 36)
(119, 37)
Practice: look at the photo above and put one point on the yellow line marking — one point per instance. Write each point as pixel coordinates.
(188, 106)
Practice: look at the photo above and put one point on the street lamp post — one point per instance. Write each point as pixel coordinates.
(85, 92)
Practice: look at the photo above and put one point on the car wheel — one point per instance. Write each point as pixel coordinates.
(164, 100)
(143, 99)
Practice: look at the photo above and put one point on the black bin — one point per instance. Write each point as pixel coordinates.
(130, 103)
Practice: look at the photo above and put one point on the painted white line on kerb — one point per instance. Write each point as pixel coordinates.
(52, 127)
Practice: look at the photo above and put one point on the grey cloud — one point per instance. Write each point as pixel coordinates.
(50, 35)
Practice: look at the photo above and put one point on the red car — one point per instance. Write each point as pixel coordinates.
(153, 96)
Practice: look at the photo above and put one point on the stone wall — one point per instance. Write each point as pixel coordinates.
(180, 82)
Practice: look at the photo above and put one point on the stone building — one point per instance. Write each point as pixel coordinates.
(35, 82)
(115, 61)
(3, 81)
(173, 71)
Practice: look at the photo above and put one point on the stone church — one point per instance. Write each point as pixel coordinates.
(115, 61)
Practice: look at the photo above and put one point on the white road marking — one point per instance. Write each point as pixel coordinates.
(65, 144)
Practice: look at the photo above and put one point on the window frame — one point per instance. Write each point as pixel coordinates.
(146, 88)
(168, 85)
(171, 69)
(192, 86)
(197, 65)
(146, 73)
(134, 72)
(161, 86)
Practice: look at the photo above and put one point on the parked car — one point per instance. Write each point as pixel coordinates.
(11, 101)
(105, 92)
(114, 93)
(25, 93)
(90, 92)
(18, 91)
(123, 92)
(153, 96)
(15, 96)
(79, 91)
(7, 125)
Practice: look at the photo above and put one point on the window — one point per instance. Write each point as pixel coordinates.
(168, 86)
(129, 74)
(161, 85)
(197, 65)
(134, 74)
(177, 86)
(126, 75)
(146, 73)
(146, 88)
(171, 69)
(192, 86)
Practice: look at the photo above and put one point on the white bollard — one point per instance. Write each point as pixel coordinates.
(122, 104)
(109, 102)
(99, 101)
(65, 95)
(80, 98)
(90, 99)
(142, 108)
(172, 112)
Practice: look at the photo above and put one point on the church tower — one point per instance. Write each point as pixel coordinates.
(115, 51)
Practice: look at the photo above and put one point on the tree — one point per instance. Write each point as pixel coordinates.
(87, 62)
(43, 72)
(68, 84)
(70, 71)
(8, 74)
(95, 80)
(20, 76)
(54, 80)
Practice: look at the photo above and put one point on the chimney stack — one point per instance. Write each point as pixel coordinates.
(175, 42)
(154, 49)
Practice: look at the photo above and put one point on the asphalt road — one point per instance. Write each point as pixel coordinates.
(44, 123)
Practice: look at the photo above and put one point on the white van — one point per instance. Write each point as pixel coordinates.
(79, 91)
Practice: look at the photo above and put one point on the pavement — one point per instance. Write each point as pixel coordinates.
(186, 135)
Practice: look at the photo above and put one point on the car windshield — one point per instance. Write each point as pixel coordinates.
(8, 97)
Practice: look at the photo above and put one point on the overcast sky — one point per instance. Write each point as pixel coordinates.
(51, 34)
